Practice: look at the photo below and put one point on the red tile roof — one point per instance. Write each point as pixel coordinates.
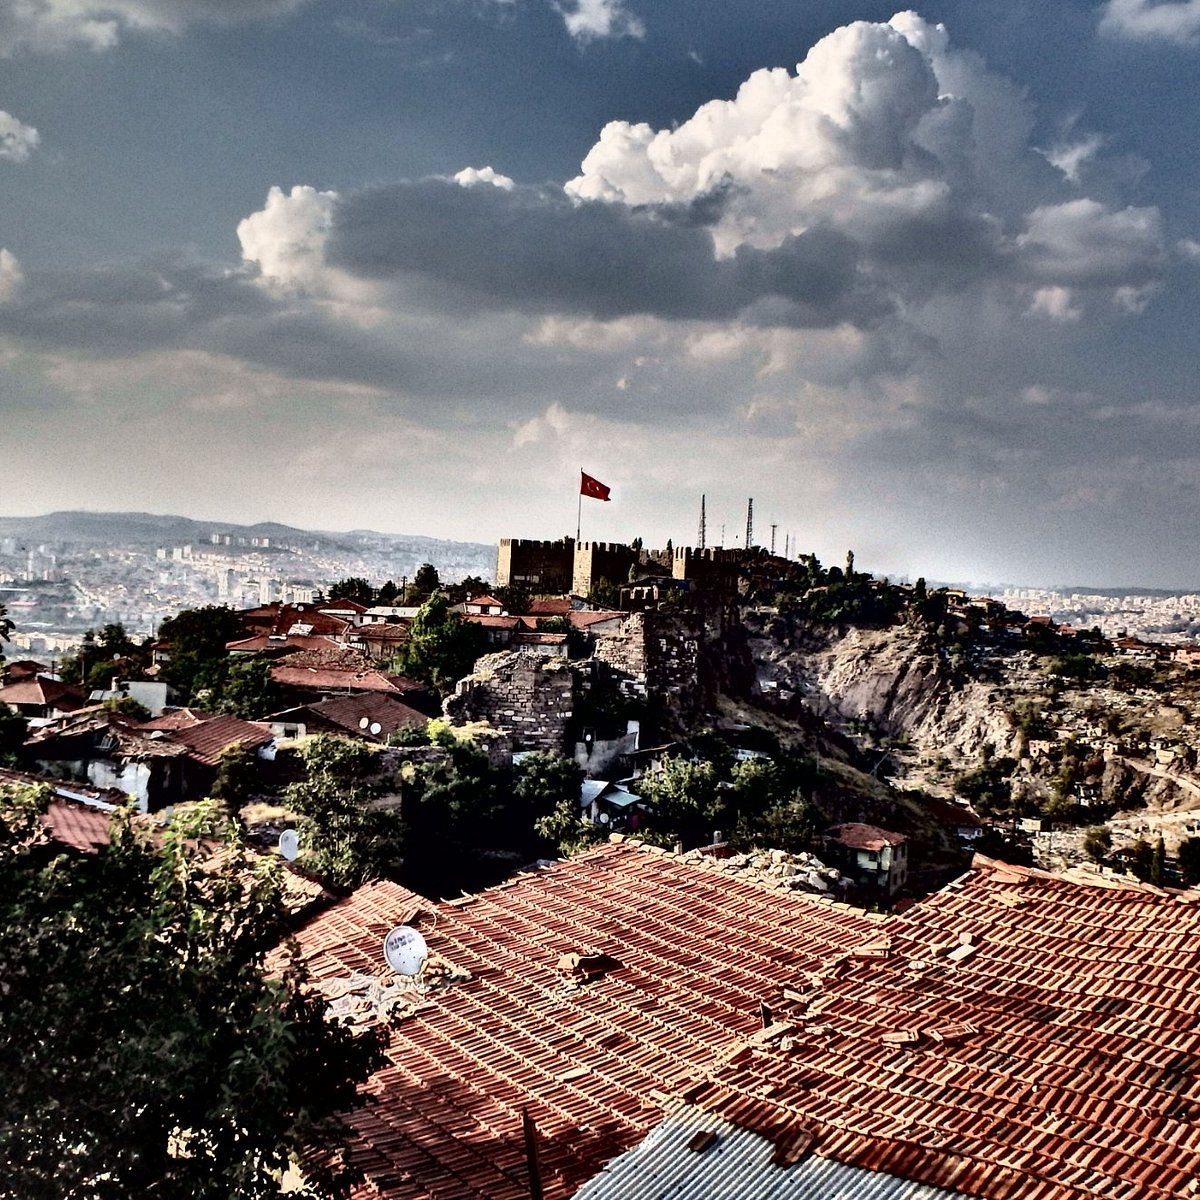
(583, 620)
(556, 606)
(41, 691)
(864, 837)
(491, 622)
(207, 740)
(1014, 1036)
(332, 679)
(697, 953)
(281, 644)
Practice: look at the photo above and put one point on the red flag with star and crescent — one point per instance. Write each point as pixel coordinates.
(593, 487)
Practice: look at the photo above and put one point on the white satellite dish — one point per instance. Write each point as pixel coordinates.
(376, 728)
(289, 844)
(405, 950)
(364, 722)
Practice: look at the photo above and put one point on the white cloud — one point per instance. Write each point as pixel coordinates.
(1070, 157)
(588, 19)
(1055, 303)
(1143, 20)
(10, 275)
(286, 239)
(53, 26)
(17, 140)
(470, 176)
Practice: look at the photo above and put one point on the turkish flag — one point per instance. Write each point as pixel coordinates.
(593, 487)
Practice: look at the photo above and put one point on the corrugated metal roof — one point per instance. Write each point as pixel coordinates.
(738, 1165)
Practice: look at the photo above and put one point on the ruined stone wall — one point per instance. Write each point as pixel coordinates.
(540, 566)
(526, 695)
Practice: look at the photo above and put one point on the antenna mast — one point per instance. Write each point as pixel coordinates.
(703, 525)
(774, 526)
(750, 523)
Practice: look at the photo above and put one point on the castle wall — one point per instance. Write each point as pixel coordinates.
(541, 566)
(595, 561)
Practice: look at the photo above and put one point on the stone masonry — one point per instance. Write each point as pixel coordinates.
(527, 696)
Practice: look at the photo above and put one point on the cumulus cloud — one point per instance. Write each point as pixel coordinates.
(286, 238)
(1147, 20)
(470, 176)
(17, 140)
(890, 136)
(52, 26)
(589, 19)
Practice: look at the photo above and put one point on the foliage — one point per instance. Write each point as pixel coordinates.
(197, 638)
(1141, 859)
(604, 594)
(988, 786)
(471, 586)
(564, 828)
(409, 735)
(1189, 861)
(1158, 862)
(246, 689)
(540, 782)
(237, 775)
(127, 706)
(1097, 843)
(6, 625)
(424, 584)
(441, 648)
(1081, 667)
(687, 800)
(1130, 675)
(145, 1051)
(343, 839)
(387, 594)
(14, 728)
(355, 588)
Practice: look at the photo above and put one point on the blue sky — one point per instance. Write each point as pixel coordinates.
(923, 283)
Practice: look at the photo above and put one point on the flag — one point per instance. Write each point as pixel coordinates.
(593, 487)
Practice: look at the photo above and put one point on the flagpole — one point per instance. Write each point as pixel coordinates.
(579, 508)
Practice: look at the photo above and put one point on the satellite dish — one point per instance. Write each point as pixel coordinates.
(364, 722)
(289, 844)
(376, 728)
(604, 818)
(405, 950)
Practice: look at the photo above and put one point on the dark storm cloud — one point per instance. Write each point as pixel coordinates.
(530, 250)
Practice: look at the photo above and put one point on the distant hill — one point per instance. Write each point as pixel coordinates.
(146, 531)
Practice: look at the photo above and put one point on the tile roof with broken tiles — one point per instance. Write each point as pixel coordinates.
(1014, 1035)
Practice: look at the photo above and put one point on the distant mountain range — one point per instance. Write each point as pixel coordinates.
(150, 530)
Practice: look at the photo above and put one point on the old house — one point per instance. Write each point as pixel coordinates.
(876, 859)
(41, 698)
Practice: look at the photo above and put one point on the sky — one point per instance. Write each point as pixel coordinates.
(924, 284)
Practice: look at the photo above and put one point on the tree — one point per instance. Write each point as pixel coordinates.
(14, 728)
(387, 594)
(1158, 862)
(441, 647)
(237, 774)
(343, 839)
(1189, 861)
(424, 584)
(247, 689)
(145, 1050)
(687, 800)
(197, 638)
(353, 588)
(1097, 843)
(116, 642)
(540, 782)
(6, 625)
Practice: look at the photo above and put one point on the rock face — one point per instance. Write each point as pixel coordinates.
(526, 695)
(891, 679)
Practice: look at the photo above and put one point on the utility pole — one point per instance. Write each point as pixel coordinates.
(774, 526)
(787, 538)
(703, 526)
(750, 523)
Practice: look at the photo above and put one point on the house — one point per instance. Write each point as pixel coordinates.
(499, 630)
(168, 760)
(42, 698)
(611, 805)
(486, 606)
(876, 859)
(628, 1012)
(378, 640)
(372, 716)
(957, 819)
(153, 696)
(553, 645)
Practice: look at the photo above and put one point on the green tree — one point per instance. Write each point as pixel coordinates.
(116, 642)
(14, 728)
(1097, 843)
(237, 777)
(247, 690)
(387, 594)
(540, 781)
(197, 639)
(145, 1051)
(565, 829)
(1189, 861)
(352, 588)
(343, 838)
(441, 647)
(1158, 862)
(424, 584)
(687, 800)
(1141, 858)
(604, 595)
(6, 625)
